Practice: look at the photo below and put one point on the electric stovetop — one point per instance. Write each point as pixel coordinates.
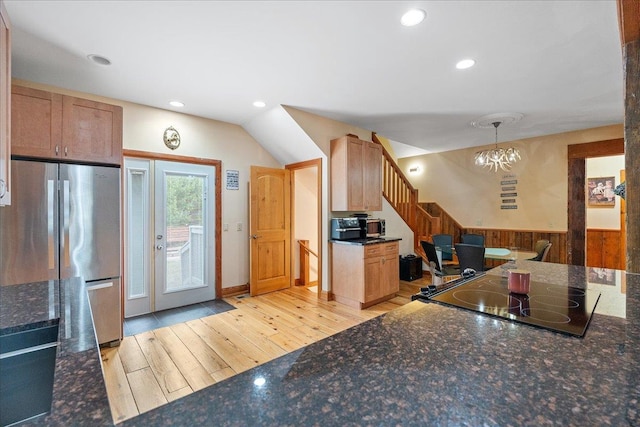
(559, 308)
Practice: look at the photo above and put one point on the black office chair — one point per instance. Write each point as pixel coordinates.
(473, 239)
(444, 241)
(434, 264)
(470, 256)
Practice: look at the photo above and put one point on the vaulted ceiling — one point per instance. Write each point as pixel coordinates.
(558, 63)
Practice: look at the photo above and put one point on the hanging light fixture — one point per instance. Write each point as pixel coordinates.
(497, 158)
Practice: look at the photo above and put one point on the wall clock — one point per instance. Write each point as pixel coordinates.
(171, 138)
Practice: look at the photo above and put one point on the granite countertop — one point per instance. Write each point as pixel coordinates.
(421, 364)
(366, 241)
(428, 364)
(79, 392)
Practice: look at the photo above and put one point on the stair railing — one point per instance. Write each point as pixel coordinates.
(400, 194)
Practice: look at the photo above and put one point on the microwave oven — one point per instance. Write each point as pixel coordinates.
(373, 227)
(354, 228)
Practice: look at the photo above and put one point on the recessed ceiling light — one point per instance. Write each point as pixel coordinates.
(413, 17)
(99, 59)
(176, 103)
(259, 104)
(465, 63)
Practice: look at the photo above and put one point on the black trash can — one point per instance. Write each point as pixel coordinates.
(410, 267)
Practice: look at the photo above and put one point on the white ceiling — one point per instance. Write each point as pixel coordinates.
(557, 62)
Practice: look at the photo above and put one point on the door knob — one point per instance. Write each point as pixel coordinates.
(159, 247)
(254, 236)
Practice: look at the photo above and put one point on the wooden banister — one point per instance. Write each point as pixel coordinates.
(305, 250)
(400, 194)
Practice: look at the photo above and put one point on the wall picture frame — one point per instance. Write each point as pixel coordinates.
(600, 191)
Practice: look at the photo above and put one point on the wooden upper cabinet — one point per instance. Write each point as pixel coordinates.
(372, 172)
(5, 107)
(91, 131)
(53, 126)
(356, 175)
(36, 123)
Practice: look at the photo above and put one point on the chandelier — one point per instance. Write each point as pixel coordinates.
(495, 158)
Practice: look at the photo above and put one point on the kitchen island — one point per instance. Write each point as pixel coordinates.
(79, 394)
(421, 364)
(428, 364)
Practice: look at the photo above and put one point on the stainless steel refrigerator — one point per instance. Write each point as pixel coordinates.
(65, 222)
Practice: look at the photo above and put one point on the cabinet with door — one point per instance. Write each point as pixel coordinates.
(356, 175)
(364, 275)
(54, 126)
(5, 107)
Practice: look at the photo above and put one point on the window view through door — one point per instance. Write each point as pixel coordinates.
(181, 258)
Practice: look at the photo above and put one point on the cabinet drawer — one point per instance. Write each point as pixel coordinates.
(380, 249)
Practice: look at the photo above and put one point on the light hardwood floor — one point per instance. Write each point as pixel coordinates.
(153, 368)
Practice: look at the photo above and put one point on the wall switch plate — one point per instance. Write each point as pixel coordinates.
(239, 226)
(225, 227)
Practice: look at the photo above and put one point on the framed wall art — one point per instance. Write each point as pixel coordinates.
(600, 191)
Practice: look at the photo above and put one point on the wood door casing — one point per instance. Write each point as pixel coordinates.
(270, 230)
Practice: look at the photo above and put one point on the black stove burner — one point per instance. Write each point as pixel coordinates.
(559, 308)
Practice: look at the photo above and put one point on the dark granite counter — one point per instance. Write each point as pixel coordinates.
(422, 364)
(79, 393)
(366, 241)
(427, 364)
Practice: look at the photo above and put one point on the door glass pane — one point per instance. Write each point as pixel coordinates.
(137, 222)
(185, 211)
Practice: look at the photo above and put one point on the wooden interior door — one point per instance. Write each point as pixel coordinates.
(270, 230)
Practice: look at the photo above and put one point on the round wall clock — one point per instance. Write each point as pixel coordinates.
(171, 138)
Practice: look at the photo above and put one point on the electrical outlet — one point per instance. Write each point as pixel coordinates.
(478, 222)
(239, 226)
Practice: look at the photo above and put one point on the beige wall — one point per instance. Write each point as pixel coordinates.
(605, 217)
(472, 194)
(143, 128)
(306, 220)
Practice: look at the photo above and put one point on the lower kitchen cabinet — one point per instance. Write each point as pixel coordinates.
(364, 275)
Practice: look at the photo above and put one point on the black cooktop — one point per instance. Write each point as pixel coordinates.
(559, 308)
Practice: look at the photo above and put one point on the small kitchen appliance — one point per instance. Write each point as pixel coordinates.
(359, 226)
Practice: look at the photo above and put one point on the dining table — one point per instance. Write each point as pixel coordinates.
(504, 254)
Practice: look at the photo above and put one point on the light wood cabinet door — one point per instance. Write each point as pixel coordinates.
(386, 279)
(356, 175)
(372, 279)
(5, 107)
(91, 131)
(54, 126)
(390, 274)
(372, 175)
(36, 123)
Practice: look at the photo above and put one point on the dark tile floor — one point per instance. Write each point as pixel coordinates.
(160, 319)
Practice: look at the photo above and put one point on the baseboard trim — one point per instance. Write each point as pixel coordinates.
(235, 290)
(325, 296)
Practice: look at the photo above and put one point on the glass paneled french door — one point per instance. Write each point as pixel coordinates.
(170, 215)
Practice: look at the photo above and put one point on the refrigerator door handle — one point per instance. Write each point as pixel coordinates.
(65, 223)
(51, 229)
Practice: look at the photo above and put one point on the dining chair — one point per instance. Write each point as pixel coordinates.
(473, 239)
(436, 268)
(539, 248)
(444, 240)
(470, 256)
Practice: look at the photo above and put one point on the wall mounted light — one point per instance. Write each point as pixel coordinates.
(414, 169)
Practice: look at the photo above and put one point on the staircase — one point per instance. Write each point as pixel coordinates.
(400, 194)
